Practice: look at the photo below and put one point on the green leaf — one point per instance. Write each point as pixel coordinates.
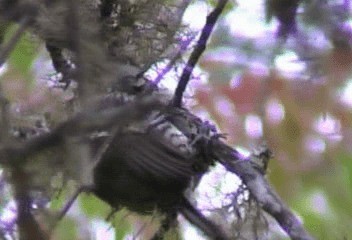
(58, 201)
(25, 52)
(94, 207)
(346, 163)
(66, 230)
(122, 230)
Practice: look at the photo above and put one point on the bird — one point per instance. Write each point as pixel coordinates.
(150, 164)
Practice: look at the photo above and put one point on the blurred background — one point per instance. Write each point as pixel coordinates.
(274, 71)
(296, 94)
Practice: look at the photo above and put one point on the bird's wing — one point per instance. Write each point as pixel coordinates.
(152, 157)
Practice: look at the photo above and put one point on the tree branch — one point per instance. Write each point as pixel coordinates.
(28, 227)
(74, 33)
(181, 49)
(199, 220)
(197, 52)
(80, 124)
(234, 162)
(60, 63)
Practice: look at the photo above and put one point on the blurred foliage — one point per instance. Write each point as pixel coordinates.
(303, 116)
(25, 52)
(96, 208)
(66, 230)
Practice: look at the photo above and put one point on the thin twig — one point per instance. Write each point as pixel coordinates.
(70, 202)
(67, 207)
(260, 189)
(197, 52)
(16, 10)
(173, 60)
(10, 45)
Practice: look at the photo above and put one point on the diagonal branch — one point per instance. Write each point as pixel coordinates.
(198, 219)
(181, 49)
(197, 52)
(82, 123)
(234, 162)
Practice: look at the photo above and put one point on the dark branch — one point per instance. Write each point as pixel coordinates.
(260, 189)
(70, 202)
(60, 64)
(80, 124)
(199, 220)
(28, 227)
(67, 207)
(15, 10)
(197, 52)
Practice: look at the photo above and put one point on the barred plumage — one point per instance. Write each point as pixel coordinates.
(151, 162)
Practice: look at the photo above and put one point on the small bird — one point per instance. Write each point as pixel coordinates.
(150, 163)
